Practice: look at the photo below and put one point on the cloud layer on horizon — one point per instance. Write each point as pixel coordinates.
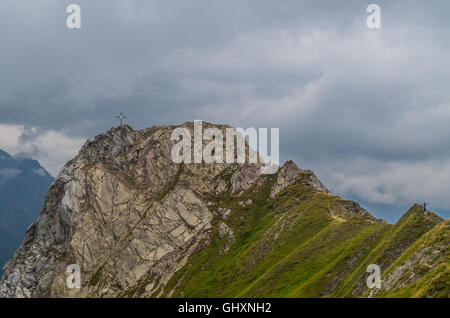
(368, 110)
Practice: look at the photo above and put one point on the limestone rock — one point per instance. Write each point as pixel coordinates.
(245, 177)
(124, 212)
(290, 173)
(225, 232)
(224, 213)
(246, 203)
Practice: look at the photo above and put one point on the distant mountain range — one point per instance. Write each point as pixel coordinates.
(23, 183)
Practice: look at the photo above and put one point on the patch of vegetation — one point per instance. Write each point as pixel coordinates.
(68, 163)
(96, 277)
(171, 184)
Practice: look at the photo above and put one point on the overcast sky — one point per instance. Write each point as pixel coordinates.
(367, 109)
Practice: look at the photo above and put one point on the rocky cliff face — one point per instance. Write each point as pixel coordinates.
(124, 212)
(139, 225)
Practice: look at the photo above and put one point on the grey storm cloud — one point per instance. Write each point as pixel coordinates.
(355, 105)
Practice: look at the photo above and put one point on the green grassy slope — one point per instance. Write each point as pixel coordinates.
(391, 245)
(303, 243)
(423, 270)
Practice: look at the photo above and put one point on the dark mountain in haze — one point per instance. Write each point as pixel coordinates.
(23, 183)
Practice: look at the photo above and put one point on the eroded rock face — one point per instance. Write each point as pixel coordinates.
(290, 173)
(224, 213)
(125, 213)
(245, 177)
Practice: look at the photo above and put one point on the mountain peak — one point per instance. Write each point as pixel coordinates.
(133, 219)
(417, 209)
(290, 173)
(23, 183)
(291, 165)
(4, 155)
(110, 144)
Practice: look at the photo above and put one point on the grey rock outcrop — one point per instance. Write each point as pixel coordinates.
(290, 173)
(122, 211)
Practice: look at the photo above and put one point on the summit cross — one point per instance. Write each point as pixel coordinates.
(121, 117)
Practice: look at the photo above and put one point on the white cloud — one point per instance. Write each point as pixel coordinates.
(336, 90)
(9, 172)
(39, 172)
(51, 148)
(398, 182)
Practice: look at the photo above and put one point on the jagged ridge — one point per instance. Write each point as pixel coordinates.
(141, 226)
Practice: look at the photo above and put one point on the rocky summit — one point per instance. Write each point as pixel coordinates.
(139, 225)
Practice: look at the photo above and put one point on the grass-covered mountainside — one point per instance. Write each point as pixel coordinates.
(140, 225)
(305, 243)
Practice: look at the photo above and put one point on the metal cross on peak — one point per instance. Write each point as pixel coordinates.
(121, 117)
